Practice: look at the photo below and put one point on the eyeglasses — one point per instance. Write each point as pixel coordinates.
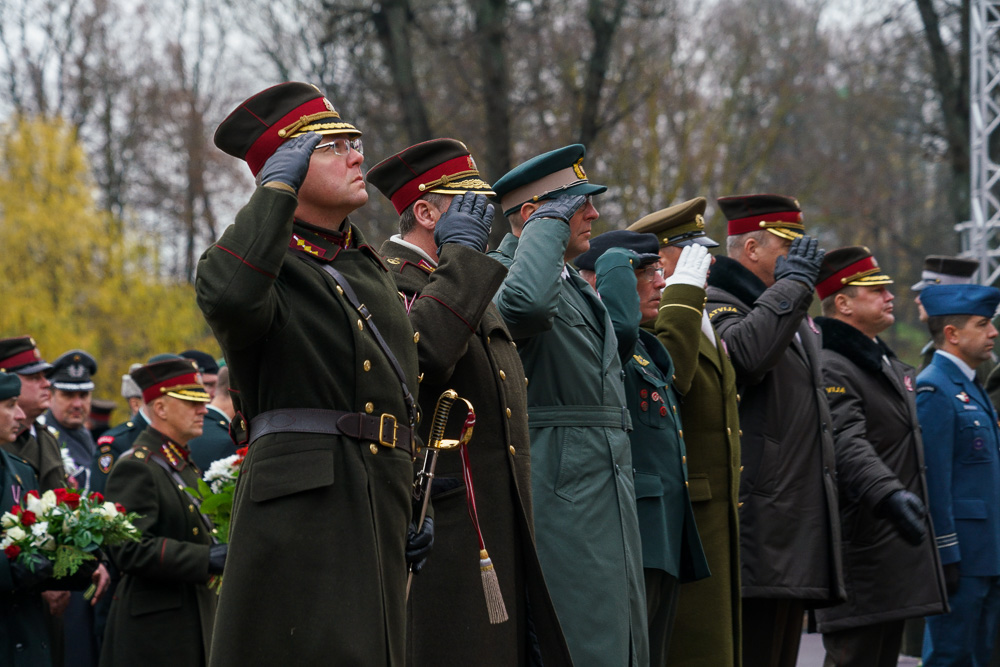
(649, 274)
(343, 146)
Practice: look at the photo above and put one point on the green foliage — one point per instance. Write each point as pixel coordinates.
(68, 560)
(73, 277)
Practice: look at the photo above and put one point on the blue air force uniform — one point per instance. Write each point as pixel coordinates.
(962, 450)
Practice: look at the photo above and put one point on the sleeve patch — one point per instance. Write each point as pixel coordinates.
(723, 309)
(836, 390)
(926, 387)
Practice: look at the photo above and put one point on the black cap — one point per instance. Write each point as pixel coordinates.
(206, 362)
(178, 378)
(20, 355)
(943, 270)
(72, 371)
(647, 246)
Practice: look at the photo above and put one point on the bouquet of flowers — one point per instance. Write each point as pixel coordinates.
(216, 488)
(64, 526)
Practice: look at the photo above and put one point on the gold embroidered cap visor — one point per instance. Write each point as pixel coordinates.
(678, 225)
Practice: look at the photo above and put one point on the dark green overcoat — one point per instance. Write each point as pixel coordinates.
(465, 346)
(316, 572)
(162, 610)
(707, 632)
(586, 526)
(24, 635)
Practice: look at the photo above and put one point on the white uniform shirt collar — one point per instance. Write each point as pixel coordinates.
(970, 373)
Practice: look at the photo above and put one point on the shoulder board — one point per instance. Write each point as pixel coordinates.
(639, 360)
(836, 390)
(140, 453)
(926, 387)
(723, 309)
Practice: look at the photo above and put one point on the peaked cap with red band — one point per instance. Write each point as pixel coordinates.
(442, 166)
(853, 265)
(20, 355)
(178, 378)
(263, 122)
(780, 215)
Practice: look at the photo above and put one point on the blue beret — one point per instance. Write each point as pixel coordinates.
(970, 299)
(647, 246)
(10, 385)
(546, 176)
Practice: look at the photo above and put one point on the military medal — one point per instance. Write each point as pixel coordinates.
(962, 396)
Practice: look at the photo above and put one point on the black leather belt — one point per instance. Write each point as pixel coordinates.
(383, 429)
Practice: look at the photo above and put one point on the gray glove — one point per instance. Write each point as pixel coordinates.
(217, 558)
(290, 162)
(906, 512)
(802, 263)
(466, 222)
(561, 208)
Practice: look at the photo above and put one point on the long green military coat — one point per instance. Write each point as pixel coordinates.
(162, 610)
(586, 525)
(465, 346)
(41, 451)
(24, 635)
(316, 570)
(707, 632)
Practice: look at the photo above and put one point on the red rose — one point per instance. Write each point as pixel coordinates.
(28, 517)
(60, 495)
(34, 494)
(16, 510)
(71, 498)
(120, 508)
(97, 497)
(12, 552)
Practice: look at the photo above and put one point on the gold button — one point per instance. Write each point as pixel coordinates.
(514, 344)
(508, 413)
(369, 407)
(195, 530)
(729, 431)
(512, 450)
(367, 365)
(680, 432)
(416, 336)
(503, 376)
(686, 483)
(215, 531)
(739, 504)
(180, 486)
(673, 378)
(684, 459)
(340, 290)
(243, 425)
(525, 381)
(420, 378)
(361, 325)
(741, 432)
(737, 398)
(374, 448)
(741, 468)
(190, 508)
(675, 408)
(487, 340)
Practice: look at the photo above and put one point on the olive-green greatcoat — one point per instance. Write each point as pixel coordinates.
(41, 451)
(789, 519)
(586, 525)
(214, 442)
(669, 533)
(111, 445)
(707, 632)
(324, 517)
(24, 635)
(162, 610)
(465, 346)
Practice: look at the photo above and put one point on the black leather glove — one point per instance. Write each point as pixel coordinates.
(217, 558)
(290, 162)
(466, 222)
(561, 208)
(419, 545)
(25, 575)
(802, 263)
(906, 512)
(952, 575)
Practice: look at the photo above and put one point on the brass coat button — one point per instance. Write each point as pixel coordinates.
(361, 325)
(508, 413)
(367, 365)
(512, 450)
(729, 431)
(416, 336)
(195, 530)
(503, 376)
(374, 448)
(369, 407)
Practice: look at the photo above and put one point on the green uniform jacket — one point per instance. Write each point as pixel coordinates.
(42, 452)
(707, 632)
(324, 516)
(24, 635)
(111, 445)
(586, 525)
(670, 539)
(789, 519)
(214, 442)
(162, 610)
(465, 346)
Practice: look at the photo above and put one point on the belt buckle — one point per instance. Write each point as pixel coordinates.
(385, 416)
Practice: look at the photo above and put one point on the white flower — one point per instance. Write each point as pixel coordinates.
(5, 542)
(222, 473)
(8, 520)
(49, 499)
(16, 534)
(41, 505)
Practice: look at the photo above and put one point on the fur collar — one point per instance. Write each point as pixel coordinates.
(730, 276)
(844, 339)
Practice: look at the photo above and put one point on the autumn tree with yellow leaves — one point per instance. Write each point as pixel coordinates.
(72, 276)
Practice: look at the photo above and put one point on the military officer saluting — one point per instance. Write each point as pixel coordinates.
(962, 444)
(586, 525)
(293, 291)
(163, 610)
(625, 268)
(438, 260)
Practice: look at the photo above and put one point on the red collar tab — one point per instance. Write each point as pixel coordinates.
(178, 457)
(436, 178)
(758, 222)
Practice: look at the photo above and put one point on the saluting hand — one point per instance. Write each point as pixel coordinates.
(692, 267)
(561, 208)
(466, 222)
(802, 263)
(290, 162)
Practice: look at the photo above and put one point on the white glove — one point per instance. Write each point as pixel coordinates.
(692, 267)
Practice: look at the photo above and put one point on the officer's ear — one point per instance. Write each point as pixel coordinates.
(156, 407)
(842, 304)
(426, 214)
